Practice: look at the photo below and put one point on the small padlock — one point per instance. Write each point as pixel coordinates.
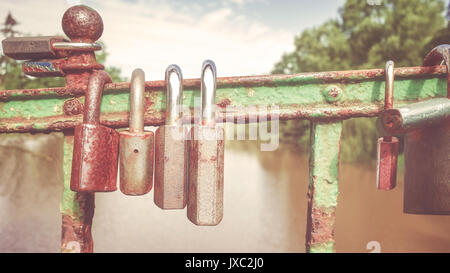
(426, 126)
(136, 145)
(95, 151)
(170, 147)
(387, 146)
(206, 158)
(31, 48)
(43, 47)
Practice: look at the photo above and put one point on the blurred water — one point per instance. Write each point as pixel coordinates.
(264, 210)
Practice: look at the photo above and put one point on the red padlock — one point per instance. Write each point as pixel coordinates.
(95, 151)
(387, 146)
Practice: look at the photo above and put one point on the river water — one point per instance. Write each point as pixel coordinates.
(264, 208)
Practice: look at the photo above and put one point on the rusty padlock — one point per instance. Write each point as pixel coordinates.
(95, 151)
(206, 158)
(136, 145)
(43, 47)
(170, 147)
(426, 126)
(387, 146)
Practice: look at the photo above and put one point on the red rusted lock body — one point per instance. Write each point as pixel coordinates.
(95, 152)
(387, 151)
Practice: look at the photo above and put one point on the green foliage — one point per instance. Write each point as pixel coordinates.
(365, 36)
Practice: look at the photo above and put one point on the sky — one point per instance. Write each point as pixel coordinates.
(243, 37)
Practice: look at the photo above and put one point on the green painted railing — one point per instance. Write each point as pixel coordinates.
(326, 98)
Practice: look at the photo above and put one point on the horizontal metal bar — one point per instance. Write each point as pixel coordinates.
(318, 95)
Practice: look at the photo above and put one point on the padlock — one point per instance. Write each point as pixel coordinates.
(95, 152)
(136, 145)
(206, 158)
(31, 48)
(170, 147)
(43, 47)
(426, 126)
(387, 146)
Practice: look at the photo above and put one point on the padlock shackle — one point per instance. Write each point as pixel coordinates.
(436, 56)
(208, 93)
(389, 85)
(174, 92)
(137, 88)
(93, 96)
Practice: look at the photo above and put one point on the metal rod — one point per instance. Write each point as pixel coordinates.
(76, 46)
(323, 185)
(298, 96)
(137, 88)
(174, 92)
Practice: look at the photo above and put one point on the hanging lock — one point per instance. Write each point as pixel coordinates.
(95, 151)
(206, 158)
(136, 145)
(387, 146)
(426, 126)
(170, 147)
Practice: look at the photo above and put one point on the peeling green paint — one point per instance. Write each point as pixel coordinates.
(322, 248)
(324, 162)
(323, 185)
(300, 94)
(69, 204)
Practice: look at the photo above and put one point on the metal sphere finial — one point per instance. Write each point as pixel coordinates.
(82, 23)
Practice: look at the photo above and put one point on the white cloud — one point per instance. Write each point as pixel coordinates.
(152, 36)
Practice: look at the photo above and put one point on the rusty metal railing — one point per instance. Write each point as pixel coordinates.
(325, 98)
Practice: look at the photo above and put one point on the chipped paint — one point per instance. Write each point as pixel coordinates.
(323, 185)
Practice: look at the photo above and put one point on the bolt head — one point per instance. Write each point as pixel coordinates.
(82, 23)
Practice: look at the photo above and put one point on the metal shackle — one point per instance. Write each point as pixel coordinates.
(389, 85)
(93, 96)
(137, 88)
(208, 93)
(389, 90)
(174, 93)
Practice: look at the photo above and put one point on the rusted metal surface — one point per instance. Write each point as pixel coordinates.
(387, 153)
(427, 148)
(323, 185)
(206, 158)
(298, 96)
(136, 145)
(171, 147)
(206, 168)
(95, 156)
(438, 55)
(387, 146)
(170, 166)
(77, 209)
(82, 24)
(427, 171)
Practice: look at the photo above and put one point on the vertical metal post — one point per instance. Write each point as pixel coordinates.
(77, 209)
(323, 185)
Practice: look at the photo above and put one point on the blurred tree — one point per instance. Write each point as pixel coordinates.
(11, 76)
(365, 36)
